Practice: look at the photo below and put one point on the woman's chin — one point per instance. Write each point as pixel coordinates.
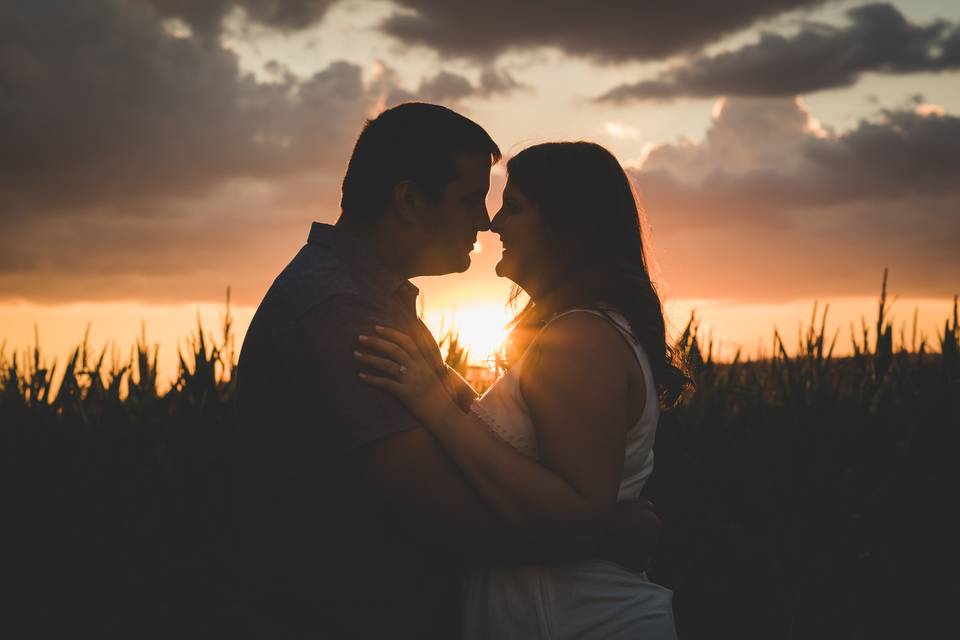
(502, 269)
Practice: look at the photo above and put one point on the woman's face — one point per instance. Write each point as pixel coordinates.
(521, 231)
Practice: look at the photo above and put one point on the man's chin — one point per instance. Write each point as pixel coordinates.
(464, 265)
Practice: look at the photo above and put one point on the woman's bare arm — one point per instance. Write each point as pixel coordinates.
(576, 384)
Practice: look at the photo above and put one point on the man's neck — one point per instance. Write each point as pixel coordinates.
(380, 244)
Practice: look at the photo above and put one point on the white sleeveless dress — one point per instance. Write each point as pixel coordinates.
(584, 599)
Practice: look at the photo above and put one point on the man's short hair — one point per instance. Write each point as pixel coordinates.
(413, 141)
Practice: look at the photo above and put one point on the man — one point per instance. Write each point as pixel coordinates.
(350, 519)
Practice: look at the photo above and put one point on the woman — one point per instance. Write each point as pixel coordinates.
(568, 431)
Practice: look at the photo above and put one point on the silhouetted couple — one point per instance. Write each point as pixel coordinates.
(377, 495)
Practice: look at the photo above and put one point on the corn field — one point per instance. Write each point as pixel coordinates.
(804, 495)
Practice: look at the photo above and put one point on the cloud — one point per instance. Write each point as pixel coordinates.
(205, 17)
(615, 31)
(822, 212)
(140, 162)
(446, 87)
(878, 39)
(236, 234)
(451, 88)
(770, 152)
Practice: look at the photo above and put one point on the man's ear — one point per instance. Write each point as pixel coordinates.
(406, 200)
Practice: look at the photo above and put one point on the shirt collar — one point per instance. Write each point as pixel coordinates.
(348, 248)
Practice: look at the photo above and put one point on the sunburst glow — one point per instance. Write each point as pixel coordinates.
(481, 329)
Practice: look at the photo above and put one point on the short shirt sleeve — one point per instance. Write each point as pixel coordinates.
(354, 413)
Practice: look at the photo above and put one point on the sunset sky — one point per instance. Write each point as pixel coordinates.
(154, 152)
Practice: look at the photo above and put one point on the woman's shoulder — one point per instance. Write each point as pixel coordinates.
(581, 336)
(597, 325)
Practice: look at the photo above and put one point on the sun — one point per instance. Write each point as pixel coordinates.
(481, 328)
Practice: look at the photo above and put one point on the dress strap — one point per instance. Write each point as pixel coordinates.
(614, 317)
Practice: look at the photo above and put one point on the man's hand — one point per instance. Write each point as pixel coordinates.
(633, 535)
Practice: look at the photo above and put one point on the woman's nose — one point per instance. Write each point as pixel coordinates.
(483, 220)
(495, 223)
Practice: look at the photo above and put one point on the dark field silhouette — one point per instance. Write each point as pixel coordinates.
(803, 495)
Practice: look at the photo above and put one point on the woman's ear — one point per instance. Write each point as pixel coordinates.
(406, 197)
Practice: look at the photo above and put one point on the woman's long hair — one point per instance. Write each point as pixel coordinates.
(598, 258)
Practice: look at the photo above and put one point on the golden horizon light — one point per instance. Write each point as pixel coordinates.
(732, 325)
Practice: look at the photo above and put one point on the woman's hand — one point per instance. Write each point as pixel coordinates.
(407, 374)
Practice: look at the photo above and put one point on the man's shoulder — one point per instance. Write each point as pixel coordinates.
(315, 276)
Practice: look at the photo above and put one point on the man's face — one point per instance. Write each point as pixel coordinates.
(450, 225)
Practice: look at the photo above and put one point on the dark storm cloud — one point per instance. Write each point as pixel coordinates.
(446, 86)
(100, 105)
(822, 212)
(127, 151)
(610, 31)
(205, 17)
(879, 39)
(452, 87)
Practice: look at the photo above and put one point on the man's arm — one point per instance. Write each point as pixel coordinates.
(434, 500)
